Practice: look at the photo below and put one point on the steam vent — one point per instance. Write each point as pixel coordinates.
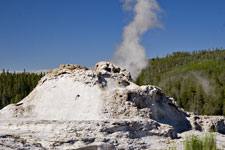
(73, 107)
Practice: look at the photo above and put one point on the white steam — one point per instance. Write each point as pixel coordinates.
(130, 54)
(205, 83)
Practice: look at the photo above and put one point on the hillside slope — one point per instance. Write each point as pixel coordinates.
(196, 80)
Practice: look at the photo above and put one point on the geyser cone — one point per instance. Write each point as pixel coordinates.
(107, 92)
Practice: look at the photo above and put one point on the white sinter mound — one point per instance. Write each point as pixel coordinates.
(73, 107)
(76, 93)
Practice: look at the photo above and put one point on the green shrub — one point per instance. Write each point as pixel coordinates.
(172, 148)
(196, 143)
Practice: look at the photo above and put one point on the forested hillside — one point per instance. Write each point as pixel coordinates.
(15, 86)
(195, 79)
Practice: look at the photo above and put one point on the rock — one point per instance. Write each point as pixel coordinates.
(64, 68)
(76, 108)
(208, 123)
(77, 66)
(103, 94)
(84, 134)
(108, 69)
(85, 68)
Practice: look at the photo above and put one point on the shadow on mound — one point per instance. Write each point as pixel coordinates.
(162, 109)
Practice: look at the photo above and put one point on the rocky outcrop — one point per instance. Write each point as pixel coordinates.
(108, 92)
(208, 123)
(65, 67)
(73, 107)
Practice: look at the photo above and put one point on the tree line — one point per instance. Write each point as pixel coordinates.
(16, 86)
(195, 79)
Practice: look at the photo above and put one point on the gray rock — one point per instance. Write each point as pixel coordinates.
(101, 109)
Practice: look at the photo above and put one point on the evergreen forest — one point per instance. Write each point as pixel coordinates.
(196, 80)
(16, 86)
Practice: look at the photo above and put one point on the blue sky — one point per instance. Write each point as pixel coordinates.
(42, 34)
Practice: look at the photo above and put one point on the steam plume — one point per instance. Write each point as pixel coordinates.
(205, 83)
(130, 54)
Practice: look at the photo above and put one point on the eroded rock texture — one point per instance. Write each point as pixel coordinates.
(73, 107)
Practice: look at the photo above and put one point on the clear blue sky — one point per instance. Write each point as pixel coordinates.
(41, 34)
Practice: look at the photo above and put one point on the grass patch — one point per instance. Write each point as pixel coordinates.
(196, 143)
(172, 148)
